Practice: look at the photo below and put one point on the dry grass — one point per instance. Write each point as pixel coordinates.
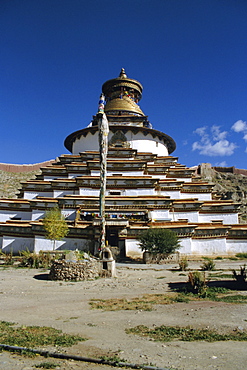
(148, 301)
(31, 336)
(168, 333)
(144, 303)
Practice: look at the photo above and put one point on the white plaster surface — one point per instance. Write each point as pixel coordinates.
(199, 196)
(43, 244)
(159, 215)
(61, 193)
(69, 214)
(228, 218)
(132, 248)
(120, 173)
(37, 214)
(89, 191)
(137, 141)
(140, 191)
(185, 245)
(236, 246)
(7, 215)
(173, 194)
(206, 247)
(33, 195)
(16, 244)
(191, 216)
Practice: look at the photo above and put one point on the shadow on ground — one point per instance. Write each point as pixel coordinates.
(44, 276)
(229, 284)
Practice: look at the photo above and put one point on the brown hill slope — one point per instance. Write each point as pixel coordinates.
(10, 182)
(230, 184)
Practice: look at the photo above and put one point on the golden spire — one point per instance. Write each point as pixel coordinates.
(122, 73)
(122, 95)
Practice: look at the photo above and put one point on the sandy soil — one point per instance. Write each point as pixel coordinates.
(27, 298)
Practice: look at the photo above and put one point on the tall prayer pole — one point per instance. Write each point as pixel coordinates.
(103, 148)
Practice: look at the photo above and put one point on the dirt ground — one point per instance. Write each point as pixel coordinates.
(28, 298)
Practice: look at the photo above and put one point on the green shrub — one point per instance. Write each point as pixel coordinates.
(8, 258)
(183, 264)
(55, 225)
(241, 255)
(208, 265)
(240, 278)
(197, 282)
(34, 260)
(159, 241)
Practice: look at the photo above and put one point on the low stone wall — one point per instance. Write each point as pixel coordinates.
(81, 270)
(8, 167)
(160, 258)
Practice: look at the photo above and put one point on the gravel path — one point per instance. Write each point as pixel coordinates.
(27, 298)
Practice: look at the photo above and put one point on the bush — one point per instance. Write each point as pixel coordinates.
(241, 255)
(159, 241)
(7, 257)
(208, 265)
(197, 282)
(183, 264)
(55, 225)
(33, 260)
(240, 278)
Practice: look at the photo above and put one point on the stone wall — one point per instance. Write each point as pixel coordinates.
(16, 168)
(81, 270)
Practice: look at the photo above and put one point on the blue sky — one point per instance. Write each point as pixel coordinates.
(190, 56)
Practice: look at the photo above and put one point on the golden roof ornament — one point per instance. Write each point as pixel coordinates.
(122, 73)
(122, 95)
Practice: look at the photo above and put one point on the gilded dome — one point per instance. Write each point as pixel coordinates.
(122, 95)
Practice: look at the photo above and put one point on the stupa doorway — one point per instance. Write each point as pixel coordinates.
(112, 236)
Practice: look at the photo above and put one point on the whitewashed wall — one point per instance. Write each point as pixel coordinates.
(89, 191)
(159, 176)
(33, 195)
(37, 214)
(61, 193)
(132, 248)
(185, 245)
(159, 215)
(69, 214)
(121, 173)
(173, 194)
(72, 175)
(137, 141)
(138, 192)
(228, 218)
(7, 215)
(184, 179)
(191, 216)
(125, 192)
(15, 244)
(199, 196)
(204, 247)
(236, 246)
(43, 244)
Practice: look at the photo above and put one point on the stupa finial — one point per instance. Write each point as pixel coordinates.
(122, 73)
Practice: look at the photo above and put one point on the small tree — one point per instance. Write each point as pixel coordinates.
(159, 241)
(55, 225)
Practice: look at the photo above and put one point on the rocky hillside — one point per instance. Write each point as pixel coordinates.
(229, 186)
(10, 182)
(233, 186)
(11, 176)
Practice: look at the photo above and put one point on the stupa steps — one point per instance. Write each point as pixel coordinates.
(117, 153)
(116, 181)
(122, 203)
